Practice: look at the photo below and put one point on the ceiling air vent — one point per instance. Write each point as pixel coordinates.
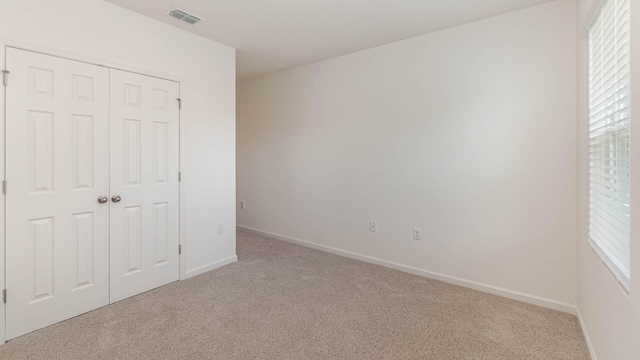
(184, 16)
(191, 19)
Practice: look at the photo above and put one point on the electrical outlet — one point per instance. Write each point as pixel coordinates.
(220, 229)
(373, 226)
(417, 234)
(241, 204)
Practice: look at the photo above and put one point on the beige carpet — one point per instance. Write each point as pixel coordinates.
(282, 301)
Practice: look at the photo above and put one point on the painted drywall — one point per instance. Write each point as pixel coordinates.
(467, 133)
(610, 316)
(95, 29)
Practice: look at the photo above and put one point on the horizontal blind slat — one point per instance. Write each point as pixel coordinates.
(598, 232)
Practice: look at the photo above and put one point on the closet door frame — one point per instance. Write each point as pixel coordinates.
(3, 58)
(4, 44)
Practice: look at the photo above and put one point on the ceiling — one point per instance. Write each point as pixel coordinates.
(273, 35)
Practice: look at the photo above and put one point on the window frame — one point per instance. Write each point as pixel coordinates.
(612, 265)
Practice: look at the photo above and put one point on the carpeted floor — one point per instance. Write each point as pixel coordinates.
(282, 301)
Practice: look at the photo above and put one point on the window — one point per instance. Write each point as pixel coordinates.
(609, 192)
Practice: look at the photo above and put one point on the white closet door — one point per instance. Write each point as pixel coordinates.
(57, 166)
(144, 183)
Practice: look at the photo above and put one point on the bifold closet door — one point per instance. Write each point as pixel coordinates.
(144, 183)
(57, 168)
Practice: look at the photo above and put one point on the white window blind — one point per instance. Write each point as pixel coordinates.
(609, 192)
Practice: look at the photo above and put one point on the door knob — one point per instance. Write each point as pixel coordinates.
(103, 199)
(116, 198)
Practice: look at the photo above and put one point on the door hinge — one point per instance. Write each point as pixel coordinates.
(4, 187)
(179, 249)
(179, 175)
(4, 296)
(179, 103)
(5, 77)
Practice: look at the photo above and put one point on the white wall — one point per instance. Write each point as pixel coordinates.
(467, 133)
(609, 315)
(106, 33)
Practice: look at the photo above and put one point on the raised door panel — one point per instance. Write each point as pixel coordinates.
(40, 240)
(161, 233)
(40, 151)
(160, 156)
(84, 245)
(83, 159)
(132, 239)
(132, 164)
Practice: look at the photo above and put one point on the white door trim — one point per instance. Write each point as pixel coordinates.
(7, 43)
(3, 56)
(4, 43)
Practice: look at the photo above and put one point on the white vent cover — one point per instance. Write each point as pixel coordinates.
(184, 16)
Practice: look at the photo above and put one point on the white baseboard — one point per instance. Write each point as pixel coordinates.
(209, 267)
(515, 295)
(587, 338)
